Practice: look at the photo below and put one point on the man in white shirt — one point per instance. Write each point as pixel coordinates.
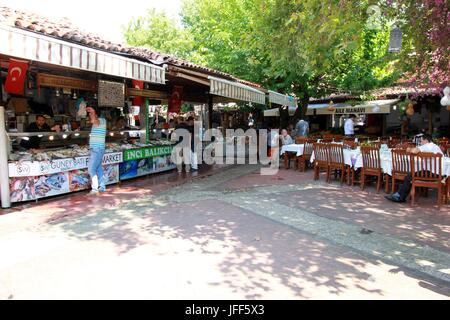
(349, 126)
(426, 145)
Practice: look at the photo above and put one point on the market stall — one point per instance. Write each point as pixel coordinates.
(47, 173)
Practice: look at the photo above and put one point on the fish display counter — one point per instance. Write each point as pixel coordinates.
(52, 172)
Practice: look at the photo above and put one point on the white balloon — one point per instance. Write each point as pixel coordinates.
(445, 101)
(447, 91)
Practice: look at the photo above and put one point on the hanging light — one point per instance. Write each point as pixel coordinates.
(64, 136)
(445, 101)
(95, 96)
(76, 134)
(57, 93)
(51, 138)
(395, 40)
(74, 94)
(331, 106)
(394, 107)
(111, 134)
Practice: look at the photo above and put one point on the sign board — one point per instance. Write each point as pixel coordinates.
(148, 152)
(49, 80)
(351, 110)
(38, 168)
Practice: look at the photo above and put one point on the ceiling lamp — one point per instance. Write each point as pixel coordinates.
(331, 106)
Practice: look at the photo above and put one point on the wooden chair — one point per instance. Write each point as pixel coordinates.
(445, 149)
(336, 162)
(371, 165)
(326, 140)
(338, 138)
(303, 159)
(427, 173)
(350, 144)
(320, 159)
(300, 140)
(400, 167)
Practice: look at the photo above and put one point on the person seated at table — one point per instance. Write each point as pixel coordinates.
(426, 145)
(291, 131)
(286, 138)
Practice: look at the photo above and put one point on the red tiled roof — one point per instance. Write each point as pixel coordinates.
(398, 90)
(65, 30)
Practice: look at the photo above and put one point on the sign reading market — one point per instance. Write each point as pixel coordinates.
(149, 152)
(38, 168)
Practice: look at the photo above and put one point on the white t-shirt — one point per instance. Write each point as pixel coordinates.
(430, 147)
(349, 126)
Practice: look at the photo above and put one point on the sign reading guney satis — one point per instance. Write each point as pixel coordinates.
(136, 154)
(37, 168)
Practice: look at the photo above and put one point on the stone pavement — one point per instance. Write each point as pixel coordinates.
(231, 235)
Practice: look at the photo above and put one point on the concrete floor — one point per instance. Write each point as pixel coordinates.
(225, 233)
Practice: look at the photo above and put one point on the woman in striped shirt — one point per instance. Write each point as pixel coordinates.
(97, 150)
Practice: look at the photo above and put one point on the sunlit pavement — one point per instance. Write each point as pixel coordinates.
(226, 233)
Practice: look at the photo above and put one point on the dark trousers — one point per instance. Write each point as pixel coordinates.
(405, 187)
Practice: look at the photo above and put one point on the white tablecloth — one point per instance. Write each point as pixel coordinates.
(386, 163)
(348, 156)
(298, 148)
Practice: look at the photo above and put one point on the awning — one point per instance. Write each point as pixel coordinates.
(282, 99)
(275, 112)
(36, 47)
(235, 90)
(367, 107)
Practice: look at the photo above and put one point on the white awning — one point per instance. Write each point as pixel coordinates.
(235, 90)
(367, 107)
(32, 46)
(282, 99)
(275, 112)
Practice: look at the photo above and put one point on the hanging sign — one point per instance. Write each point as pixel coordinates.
(15, 80)
(175, 99)
(37, 168)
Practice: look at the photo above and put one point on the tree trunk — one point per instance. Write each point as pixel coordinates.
(300, 113)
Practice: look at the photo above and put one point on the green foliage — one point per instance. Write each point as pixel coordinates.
(160, 33)
(305, 47)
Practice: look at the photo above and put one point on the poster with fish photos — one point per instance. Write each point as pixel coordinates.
(145, 166)
(128, 169)
(111, 173)
(52, 184)
(22, 189)
(79, 180)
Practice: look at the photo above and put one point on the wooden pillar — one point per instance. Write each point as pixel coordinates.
(210, 111)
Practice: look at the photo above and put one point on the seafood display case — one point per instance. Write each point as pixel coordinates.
(48, 172)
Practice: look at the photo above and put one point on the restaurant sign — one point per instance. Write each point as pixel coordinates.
(38, 168)
(135, 154)
(356, 110)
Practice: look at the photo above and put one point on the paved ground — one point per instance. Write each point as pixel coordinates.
(226, 233)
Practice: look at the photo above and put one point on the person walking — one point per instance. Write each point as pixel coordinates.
(302, 128)
(349, 126)
(97, 150)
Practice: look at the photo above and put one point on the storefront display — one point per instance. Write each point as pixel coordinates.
(53, 172)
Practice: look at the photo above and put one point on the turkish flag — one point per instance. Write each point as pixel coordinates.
(137, 101)
(175, 99)
(16, 76)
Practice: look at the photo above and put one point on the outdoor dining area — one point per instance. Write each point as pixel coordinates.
(360, 161)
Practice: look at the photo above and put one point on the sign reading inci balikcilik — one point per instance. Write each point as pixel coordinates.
(148, 152)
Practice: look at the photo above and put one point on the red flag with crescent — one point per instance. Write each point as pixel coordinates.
(15, 80)
(175, 99)
(137, 101)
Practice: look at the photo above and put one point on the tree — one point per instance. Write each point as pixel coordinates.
(302, 47)
(160, 33)
(425, 24)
